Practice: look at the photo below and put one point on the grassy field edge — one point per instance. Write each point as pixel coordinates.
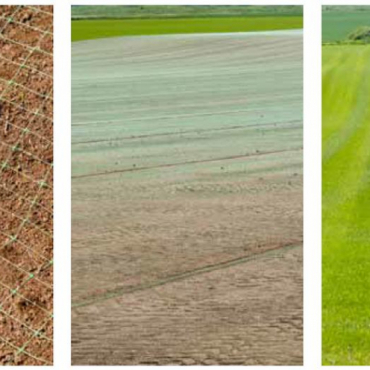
(181, 11)
(95, 29)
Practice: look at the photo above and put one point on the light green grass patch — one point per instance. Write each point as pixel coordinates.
(94, 29)
(346, 205)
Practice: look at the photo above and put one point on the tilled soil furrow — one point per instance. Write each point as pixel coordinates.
(109, 294)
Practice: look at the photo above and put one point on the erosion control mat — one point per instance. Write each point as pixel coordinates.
(26, 185)
(187, 200)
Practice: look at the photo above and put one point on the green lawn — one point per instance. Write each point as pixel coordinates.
(346, 205)
(93, 29)
(338, 22)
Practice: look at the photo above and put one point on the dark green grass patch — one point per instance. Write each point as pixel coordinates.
(181, 11)
(339, 22)
(93, 29)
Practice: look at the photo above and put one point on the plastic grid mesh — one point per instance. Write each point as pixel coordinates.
(26, 184)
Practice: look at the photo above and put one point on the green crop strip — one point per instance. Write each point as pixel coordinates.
(94, 29)
(346, 205)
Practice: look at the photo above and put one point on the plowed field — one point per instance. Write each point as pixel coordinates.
(187, 199)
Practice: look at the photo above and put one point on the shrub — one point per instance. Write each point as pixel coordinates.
(361, 35)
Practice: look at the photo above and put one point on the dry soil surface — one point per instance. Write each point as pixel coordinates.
(187, 200)
(26, 183)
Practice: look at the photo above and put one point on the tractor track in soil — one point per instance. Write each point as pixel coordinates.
(184, 132)
(184, 163)
(198, 271)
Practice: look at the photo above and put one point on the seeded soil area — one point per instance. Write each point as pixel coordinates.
(26, 185)
(187, 200)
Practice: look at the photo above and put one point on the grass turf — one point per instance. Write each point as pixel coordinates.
(339, 21)
(94, 29)
(346, 205)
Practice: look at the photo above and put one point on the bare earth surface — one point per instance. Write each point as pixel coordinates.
(26, 185)
(187, 200)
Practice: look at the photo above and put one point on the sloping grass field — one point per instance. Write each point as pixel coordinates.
(339, 21)
(346, 205)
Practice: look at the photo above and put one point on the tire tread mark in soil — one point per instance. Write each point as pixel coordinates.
(182, 133)
(135, 169)
(198, 271)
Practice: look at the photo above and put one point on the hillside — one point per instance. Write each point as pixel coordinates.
(339, 21)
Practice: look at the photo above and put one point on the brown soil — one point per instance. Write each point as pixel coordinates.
(186, 227)
(246, 314)
(26, 185)
(188, 279)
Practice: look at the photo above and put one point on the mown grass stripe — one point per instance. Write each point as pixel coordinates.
(346, 205)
